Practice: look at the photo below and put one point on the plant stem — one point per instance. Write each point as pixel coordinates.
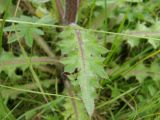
(71, 8)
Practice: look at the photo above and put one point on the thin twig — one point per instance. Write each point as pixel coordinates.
(38, 60)
(82, 29)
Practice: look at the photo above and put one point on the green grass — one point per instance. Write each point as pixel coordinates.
(30, 85)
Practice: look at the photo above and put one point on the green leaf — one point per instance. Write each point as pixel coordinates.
(87, 90)
(47, 19)
(12, 38)
(69, 112)
(141, 72)
(83, 53)
(10, 70)
(24, 31)
(154, 43)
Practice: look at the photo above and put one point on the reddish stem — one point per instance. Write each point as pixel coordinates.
(71, 11)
